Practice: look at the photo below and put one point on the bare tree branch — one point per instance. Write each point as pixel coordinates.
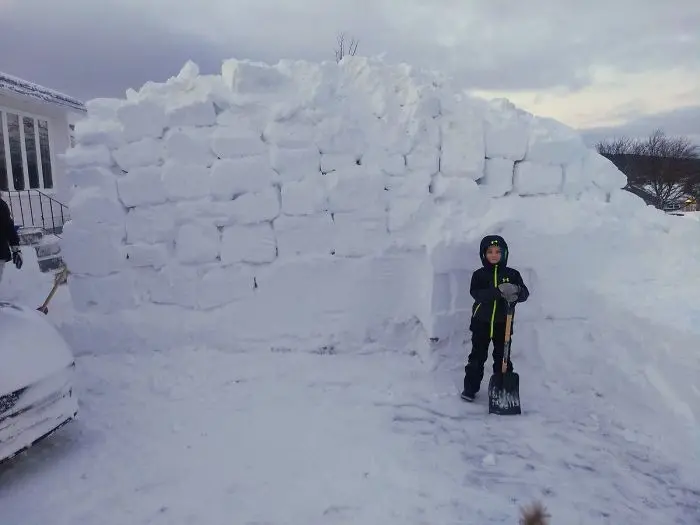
(665, 168)
(342, 49)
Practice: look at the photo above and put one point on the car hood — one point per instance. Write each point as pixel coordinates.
(31, 349)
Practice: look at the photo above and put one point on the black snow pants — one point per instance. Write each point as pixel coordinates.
(481, 337)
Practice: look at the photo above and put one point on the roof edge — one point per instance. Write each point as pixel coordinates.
(28, 89)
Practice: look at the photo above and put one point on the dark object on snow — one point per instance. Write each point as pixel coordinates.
(504, 387)
(535, 514)
(8, 232)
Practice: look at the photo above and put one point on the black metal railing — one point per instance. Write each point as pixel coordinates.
(34, 208)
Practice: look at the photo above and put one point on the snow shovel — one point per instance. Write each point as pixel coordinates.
(504, 388)
(60, 278)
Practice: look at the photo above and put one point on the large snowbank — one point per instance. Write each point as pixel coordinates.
(344, 202)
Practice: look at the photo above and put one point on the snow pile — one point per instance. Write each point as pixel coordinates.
(344, 202)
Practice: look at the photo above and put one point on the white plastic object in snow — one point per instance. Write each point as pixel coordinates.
(36, 375)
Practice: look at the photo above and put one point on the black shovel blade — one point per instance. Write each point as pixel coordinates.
(504, 394)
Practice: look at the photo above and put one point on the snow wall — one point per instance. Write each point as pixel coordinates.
(330, 207)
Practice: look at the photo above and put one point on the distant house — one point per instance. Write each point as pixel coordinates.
(35, 127)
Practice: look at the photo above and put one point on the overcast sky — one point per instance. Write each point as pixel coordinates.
(610, 65)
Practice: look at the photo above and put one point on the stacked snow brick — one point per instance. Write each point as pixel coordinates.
(290, 190)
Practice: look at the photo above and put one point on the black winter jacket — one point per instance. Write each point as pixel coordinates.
(8, 234)
(489, 307)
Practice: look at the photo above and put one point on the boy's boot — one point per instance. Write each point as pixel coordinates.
(469, 392)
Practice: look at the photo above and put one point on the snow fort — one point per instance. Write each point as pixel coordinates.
(336, 206)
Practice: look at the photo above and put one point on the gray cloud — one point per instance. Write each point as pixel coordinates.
(89, 48)
(73, 55)
(678, 122)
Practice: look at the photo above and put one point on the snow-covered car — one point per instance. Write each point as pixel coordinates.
(36, 379)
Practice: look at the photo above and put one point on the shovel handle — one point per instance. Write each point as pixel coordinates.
(509, 326)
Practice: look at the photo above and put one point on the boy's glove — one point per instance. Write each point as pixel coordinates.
(17, 257)
(509, 291)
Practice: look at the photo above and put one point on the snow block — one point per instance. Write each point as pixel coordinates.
(218, 213)
(552, 142)
(221, 286)
(141, 187)
(358, 237)
(254, 78)
(141, 120)
(537, 179)
(249, 244)
(403, 212)
(288, 134)
(186, 181)
(96, 177)
(196, 113)
(173, 285)
(189, 147)
(228, 143)
(498, 177)
(304, 235)
(413, 185)
(295, 164)
(101, 295)
(463, 146)
(604, 174)
(146, 152)
(93, 131)
(305, 197)
(337, 161)
(251, 208)
(197, 243)
(91, 207)
(424, 158)
(441, 300)
(506, 131)
(353, 189)
(384, 161)
(82, 156)
(79, 256)
(103, 108)
(153, 224)
(146, 255)
(232, 177)
(576, 179)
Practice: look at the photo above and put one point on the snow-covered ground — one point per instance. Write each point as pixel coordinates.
(255, 360)
(201, 436)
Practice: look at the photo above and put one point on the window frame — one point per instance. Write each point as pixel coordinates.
(4, 110)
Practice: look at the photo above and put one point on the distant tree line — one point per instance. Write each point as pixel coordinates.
(664, 171)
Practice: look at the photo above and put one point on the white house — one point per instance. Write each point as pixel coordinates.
(35, 127)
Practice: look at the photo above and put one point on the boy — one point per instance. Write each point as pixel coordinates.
(9, 240)
(492, 287)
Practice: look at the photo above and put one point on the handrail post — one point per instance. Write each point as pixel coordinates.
(31, 208)
(21, 208)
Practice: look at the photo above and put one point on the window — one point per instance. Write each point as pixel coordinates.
(30, 148)
(25, 152)
(16, 163)
(45, 154)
